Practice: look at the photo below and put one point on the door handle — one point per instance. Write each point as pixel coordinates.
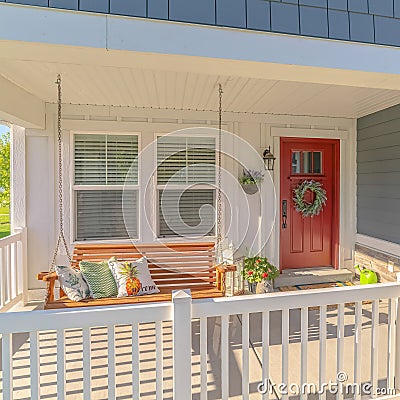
(284, 214)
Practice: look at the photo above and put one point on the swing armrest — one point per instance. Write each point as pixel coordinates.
(223, 268)
(47, 276)
(50, 278)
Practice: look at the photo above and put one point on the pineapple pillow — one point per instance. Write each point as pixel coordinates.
(73, 283)
(133, 277)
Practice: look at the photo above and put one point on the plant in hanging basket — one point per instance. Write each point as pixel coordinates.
(302, 206)
(258, 269)
(250, 179)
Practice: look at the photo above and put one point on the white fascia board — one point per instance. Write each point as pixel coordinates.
(20, 107)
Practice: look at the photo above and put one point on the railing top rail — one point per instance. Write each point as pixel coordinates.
(293, 300)
(10, 239)
(153, 312)
(31, 321)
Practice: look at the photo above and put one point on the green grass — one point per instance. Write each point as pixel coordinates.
(4, 222)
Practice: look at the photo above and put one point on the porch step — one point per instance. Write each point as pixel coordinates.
(309, 276)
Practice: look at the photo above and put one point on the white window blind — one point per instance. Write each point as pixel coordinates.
(187, 213)
(186, 192)
(185, 160)
(100, 214)
(105, 159)
(104, 207)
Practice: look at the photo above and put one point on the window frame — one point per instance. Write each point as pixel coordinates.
(308, 174)
(75, 188)
(158, 187)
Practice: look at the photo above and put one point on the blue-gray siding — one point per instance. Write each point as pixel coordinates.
(370, 21)
(378, 175)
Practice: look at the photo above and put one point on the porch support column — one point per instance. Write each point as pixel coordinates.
(182, 344)
(17, 177)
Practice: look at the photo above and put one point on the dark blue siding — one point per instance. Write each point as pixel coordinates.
(378, 175)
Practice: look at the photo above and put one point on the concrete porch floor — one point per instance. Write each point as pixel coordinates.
(123, 346)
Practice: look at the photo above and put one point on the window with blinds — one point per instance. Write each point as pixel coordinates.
(186, 192)
(104, 205)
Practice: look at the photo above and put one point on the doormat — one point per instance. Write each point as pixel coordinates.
(321, 286)
(315, 286)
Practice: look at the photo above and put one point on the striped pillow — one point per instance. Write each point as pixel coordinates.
(99, 279)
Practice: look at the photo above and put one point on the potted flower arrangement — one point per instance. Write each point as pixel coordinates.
(250, 179)
(259, 273)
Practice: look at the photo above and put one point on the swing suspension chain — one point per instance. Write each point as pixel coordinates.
(61, 241)
(219, 194)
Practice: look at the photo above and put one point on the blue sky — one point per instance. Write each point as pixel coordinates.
(4, 129)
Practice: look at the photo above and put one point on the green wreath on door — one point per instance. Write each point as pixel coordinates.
(302, 206)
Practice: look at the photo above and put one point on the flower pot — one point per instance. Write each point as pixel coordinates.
(252, 287)
(260, 288)
(269, 286)
(250, 188)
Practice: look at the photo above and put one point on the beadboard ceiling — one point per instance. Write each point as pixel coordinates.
(123, 86)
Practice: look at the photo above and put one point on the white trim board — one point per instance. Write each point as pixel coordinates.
(311, 133)
(384, 246)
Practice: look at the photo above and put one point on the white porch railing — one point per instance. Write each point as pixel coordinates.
(214, 348)
(13, 273)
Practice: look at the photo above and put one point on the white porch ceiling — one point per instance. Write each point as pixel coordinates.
(134, 87)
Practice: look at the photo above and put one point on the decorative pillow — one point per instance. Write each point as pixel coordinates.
(99, 278)
(72, 282)
(133, 278)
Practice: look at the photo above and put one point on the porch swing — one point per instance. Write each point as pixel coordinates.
(172, 266)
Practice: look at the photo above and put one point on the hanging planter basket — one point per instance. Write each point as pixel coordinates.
(249, 188)
(250, 180)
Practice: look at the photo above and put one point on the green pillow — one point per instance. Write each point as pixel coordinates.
(99, 278)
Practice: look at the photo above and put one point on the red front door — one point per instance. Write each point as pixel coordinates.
(309, 241)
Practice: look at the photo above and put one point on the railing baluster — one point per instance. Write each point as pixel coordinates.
(9, 274)
(265, 354)
(357, 347)
(374, 346)
(225, 357)
(135, 361)
(285, 349)
(35, 365)
(3, 281)
(391, 342)
(340, 345)
(245, 356)
(87, 373)
(304, 348)
(322, 351)
(7, 366)
(159, 361)
(111, 361)
(61, 364)
(203, 358)
(397, 348)
(14, 270)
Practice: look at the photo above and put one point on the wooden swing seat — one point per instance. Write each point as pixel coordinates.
(172, 266)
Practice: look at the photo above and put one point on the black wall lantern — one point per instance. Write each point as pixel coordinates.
(269, 159)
